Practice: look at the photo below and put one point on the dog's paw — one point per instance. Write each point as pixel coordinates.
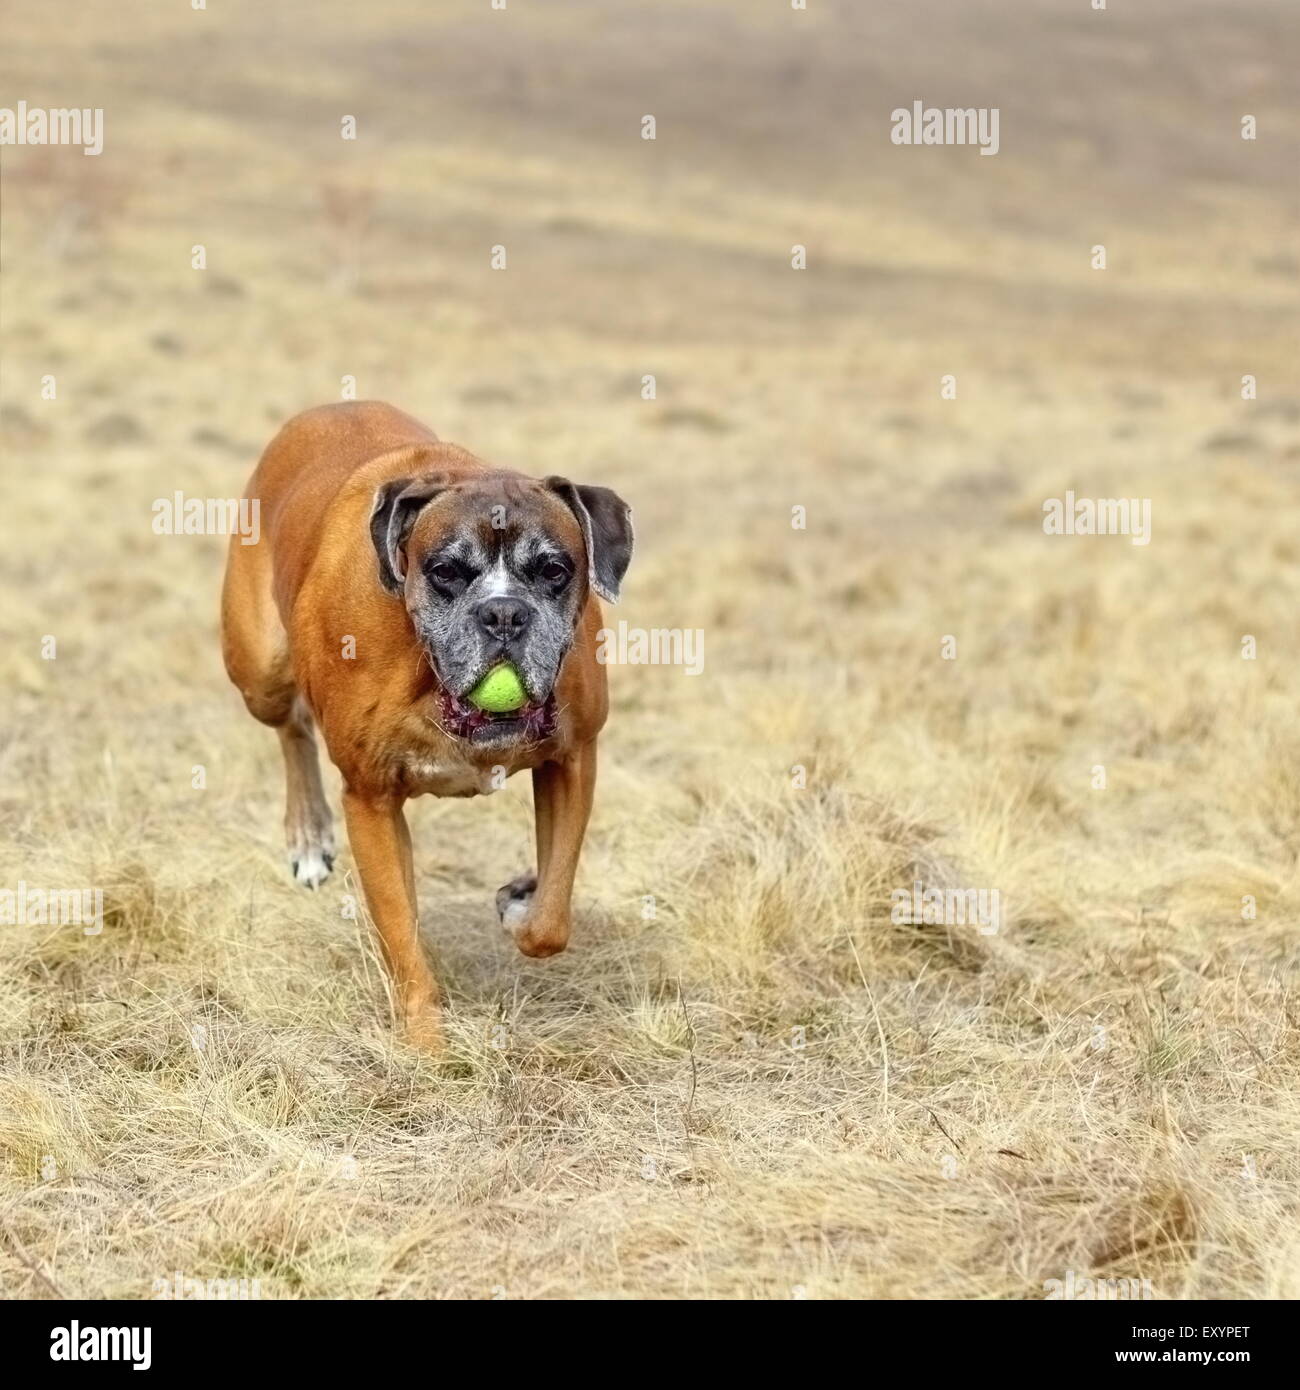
(311, 866)
(422, 1030)
(515, 902)
(311, 850)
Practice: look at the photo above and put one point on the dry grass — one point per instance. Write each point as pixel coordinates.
(769, 1089)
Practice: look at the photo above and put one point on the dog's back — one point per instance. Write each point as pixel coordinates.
(304, 468)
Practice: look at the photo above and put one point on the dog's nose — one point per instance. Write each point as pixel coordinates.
(504, 618)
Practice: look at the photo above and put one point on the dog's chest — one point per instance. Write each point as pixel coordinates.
(428, 763)
(441, 773)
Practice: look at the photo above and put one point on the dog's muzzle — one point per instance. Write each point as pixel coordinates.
(531, 723)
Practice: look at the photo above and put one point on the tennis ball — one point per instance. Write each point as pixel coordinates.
(499, 692)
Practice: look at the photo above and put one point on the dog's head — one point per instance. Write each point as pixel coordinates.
(497, 567)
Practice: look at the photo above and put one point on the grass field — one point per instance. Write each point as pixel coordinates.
(743, 1080)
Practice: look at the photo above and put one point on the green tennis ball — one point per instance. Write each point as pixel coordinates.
(499, 692)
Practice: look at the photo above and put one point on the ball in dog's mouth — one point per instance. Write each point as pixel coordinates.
(500, 691)
(532, 722)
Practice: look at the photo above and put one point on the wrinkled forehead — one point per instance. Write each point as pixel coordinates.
(477, 522)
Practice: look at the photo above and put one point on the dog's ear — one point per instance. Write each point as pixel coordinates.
(606, 522)
(397, 504)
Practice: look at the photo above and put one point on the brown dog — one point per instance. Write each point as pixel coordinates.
(392, 572)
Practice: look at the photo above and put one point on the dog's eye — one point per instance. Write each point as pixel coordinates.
(553, 571)
(443, 573)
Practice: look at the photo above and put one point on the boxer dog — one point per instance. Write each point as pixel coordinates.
(392, 571)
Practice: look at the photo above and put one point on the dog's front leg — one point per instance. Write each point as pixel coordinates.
(562, 794)
(381, 846)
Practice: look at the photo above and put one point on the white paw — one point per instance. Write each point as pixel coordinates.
(311, 866)
(515, 902)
